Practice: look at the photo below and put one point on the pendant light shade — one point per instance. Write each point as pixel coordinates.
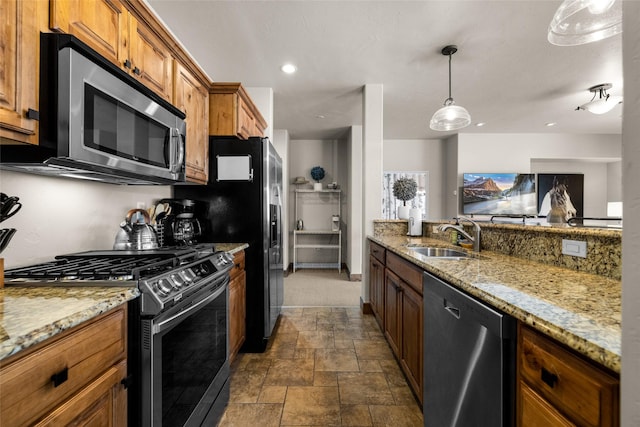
(451, 116)
(579, 22)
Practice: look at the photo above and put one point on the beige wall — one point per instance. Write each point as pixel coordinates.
(64, 215)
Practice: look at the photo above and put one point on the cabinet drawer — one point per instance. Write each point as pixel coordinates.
(27, 384)
(238, 265)
(377, 251)
(410, 273)
(581, 391)
(535, 411)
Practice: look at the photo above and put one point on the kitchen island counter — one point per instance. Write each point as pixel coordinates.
(580, 310)
(30, 315)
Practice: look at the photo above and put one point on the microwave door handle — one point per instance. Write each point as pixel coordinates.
(179, 150)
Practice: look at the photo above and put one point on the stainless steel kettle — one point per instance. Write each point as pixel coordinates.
(136, 236)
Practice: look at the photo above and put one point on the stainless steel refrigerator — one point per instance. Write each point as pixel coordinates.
(243, 203)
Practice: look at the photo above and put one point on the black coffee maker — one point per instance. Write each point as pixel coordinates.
(180, 227)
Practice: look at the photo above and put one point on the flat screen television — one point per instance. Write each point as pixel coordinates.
(499, 194)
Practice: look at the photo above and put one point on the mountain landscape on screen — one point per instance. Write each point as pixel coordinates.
(499, 194)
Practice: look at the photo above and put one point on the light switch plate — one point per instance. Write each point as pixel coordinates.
(574, 248)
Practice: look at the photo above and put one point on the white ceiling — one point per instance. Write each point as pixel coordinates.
(505, 72)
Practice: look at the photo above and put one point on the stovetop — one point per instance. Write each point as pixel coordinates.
(163, 276)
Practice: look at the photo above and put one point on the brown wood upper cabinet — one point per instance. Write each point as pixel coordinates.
(233, 113)
(19, 64)
(191, 97)
(109, 28)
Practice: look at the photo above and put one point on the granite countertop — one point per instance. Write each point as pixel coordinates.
(30, 315)
(578, 309)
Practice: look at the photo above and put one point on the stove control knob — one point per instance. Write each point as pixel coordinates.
(188, 275)
(163, 287)
(177, 281)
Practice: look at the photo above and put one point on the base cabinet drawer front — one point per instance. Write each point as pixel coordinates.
(582, 392)
(537, 412)
(34, 384)
(238, 265)
(377, 251)
(101, 403)
(410, 273)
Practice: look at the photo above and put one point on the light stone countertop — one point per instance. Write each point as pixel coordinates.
(578, 309)
(30, 315)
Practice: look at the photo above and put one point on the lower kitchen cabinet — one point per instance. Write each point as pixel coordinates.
(403, 311)
(376, 288)
(559, 387)
(71, 379)
(237, 305)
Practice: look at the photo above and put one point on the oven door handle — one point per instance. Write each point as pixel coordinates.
(169, 323)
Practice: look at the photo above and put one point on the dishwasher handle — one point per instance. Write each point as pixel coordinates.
(452, 309)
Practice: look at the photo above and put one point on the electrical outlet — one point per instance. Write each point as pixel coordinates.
(141, 205)
(434, 229)
(574, 248)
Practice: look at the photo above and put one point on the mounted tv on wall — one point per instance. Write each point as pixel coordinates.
(511, 194)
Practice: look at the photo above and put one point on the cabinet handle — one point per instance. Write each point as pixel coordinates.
(238, 266)
(127, 381)
(127, 63)
(136, 71)
(33, 114)
(550, 379)
(60, 377)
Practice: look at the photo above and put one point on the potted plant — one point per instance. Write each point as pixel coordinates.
(404, 189)
(317, 173)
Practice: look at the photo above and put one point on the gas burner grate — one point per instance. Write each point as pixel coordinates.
(96, 268)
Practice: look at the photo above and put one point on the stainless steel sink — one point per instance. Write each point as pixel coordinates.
(432, 252)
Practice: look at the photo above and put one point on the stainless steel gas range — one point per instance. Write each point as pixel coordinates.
(178, 328)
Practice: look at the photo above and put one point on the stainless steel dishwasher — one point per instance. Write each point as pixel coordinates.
(469, 360)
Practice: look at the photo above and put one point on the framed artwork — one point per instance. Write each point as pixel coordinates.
(390, 203)
(562, 192)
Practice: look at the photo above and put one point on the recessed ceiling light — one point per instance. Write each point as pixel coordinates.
(550, 124)
(480, 124)
(320, 116)
(289, 68)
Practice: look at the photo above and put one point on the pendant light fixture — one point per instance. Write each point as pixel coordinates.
(604, 102)
(579, 22)
(451, 116)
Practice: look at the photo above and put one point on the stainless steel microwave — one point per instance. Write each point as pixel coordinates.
(99, 123)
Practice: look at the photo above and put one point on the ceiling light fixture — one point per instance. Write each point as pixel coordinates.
(579, 22)
(289, 68)
(451, 116)
(604, 103)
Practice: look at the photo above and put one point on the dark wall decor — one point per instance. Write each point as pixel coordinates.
(564, 192)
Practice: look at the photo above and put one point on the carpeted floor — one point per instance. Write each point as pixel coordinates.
(320, 288)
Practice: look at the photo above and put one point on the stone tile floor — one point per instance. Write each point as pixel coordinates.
(324, 367)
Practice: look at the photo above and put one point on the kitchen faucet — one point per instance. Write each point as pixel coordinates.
(476, 231)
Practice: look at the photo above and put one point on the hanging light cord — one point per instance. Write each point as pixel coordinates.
(450, 79)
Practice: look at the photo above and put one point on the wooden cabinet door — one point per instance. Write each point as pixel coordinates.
(237, 314)
(411, 327)
(19, 69)
(101, 403)
(192, 98)
(537, 412)
(376, 289)
(246, 126)
(102, 24)
(392, 307)
(151, 60)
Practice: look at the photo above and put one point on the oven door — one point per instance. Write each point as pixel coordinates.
(185, 364)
